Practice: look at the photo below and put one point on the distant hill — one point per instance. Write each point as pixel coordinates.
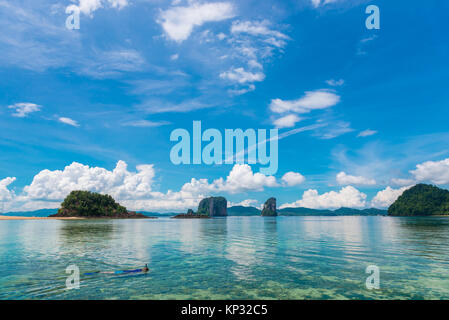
(323, 212)
(36, 213)
(421, 200)
(237, 211)
(243, 211)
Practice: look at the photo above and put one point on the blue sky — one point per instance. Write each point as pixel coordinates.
(94, 108)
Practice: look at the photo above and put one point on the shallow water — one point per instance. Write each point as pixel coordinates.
(227, 258)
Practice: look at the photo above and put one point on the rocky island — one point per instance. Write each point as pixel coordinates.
(208, 207)
(86, 204)
(269, 208)
(421, 200)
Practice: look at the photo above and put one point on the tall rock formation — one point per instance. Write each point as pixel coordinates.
(213, 207)
(269, 208)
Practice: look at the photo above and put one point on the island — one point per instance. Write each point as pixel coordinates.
(86, 204)
(421, 200)
(207, 208)
(269, 208)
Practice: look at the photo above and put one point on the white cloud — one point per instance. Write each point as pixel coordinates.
(244, 90)
(317, 3)
(319, 99)
(119, 183)
(256, 28)
(434, 171)
(346, 179)
(244, 203)
(287, 121)
(346, 197)
(178, 22)
(68, 121)
(89, 6)
(240, 179)
(293, 178)
(174, 57)
(335, 83)
(5, 193)
(132, 189)
(241, 76)
(22, 109)
(402, 182)
(367, 133)
(386, 197)
(334, 129)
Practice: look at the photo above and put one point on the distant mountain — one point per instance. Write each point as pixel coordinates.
(421, 200)
(243, 211)
(36, 213)
(304, 212)
(339, 212)
(158, 214)
(237, 211)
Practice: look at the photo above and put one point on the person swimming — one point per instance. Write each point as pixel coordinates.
(144, 270)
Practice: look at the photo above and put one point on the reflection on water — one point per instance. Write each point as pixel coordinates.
(227, 258)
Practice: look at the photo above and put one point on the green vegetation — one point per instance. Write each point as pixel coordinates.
(213, 207)
(421, 200)
(208, 207)
(93, 205)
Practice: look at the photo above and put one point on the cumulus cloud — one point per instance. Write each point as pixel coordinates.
(240, 179)
(241, 76)
(178, 22)
(131, 188)
(313, 100)
(119, 183)
(402, 182)
(346, 197)
(68, 121)
(292, 178)
(89, 6)
(5, 193)
(345, 179)
(22, 109)
(386, 197)
(434, 171)
(366, 133)
(287, 121)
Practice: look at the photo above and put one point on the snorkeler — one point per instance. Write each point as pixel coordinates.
(144, 270)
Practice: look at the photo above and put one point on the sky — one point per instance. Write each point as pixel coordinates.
(361, 113)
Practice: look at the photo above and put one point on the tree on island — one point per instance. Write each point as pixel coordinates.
(90, 204)
(421, 200)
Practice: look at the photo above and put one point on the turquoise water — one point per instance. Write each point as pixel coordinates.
(227, 258)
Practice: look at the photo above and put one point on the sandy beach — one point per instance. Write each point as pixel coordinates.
(37, 218)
